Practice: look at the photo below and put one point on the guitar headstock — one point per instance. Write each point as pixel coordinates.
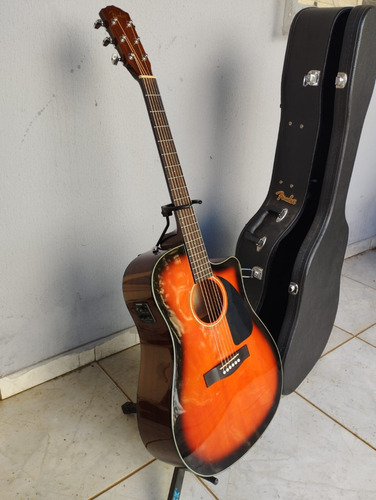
(123, 35)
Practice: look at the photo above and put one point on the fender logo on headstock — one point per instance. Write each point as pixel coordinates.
(288, 199)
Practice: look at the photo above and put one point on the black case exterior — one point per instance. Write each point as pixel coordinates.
(301, 259)
(314, 43)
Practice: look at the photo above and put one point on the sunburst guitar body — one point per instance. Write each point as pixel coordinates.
(207, 388)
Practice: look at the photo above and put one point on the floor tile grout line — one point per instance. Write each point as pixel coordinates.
(337, 346)
(366, 341)
(335, 420)
(342, 329)
(365, 329)
(114, 382)
(357, 281)
(118, 352)
(355, 334)
(124, 478)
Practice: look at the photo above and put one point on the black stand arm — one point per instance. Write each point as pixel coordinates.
(167, 211)
(176, 483)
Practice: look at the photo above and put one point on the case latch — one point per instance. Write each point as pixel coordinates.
(252, 272)
(312, 78)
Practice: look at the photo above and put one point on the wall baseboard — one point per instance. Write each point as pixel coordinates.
(360, 247)
(47, 370)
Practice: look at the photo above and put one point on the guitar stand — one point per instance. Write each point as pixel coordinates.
(179, 472)
(129, 407)
(167, 211)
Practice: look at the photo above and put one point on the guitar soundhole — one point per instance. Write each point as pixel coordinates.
(209, 301)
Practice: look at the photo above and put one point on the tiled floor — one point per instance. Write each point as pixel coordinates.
(68, 437)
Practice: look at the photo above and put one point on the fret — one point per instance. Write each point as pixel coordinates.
(183, 191)
(177, 188)
(196, 259)
(177, 177)
(203, 274)
(193, 236)
(180, 200)
(191, 227)
(183, 199)
(188, 216)
(193, 223)
(153, 95)
(200, 263)
(156, 111)
(202, 278)
(168, 154)
(192, 240)
(161, 126)
(165, 140)
(201, 268)
(172, 166)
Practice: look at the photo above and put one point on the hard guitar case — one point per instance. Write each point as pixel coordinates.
(292, 250)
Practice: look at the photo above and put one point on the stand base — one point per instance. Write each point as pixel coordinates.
(129, 408)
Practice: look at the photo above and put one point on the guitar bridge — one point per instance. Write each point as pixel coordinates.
(226, 368)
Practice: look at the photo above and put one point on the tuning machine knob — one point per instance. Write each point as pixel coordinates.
(115, 59)
(98, 24)
(107, 41)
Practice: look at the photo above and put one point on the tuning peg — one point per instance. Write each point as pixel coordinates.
(115, 58)
(98, 24)
(107, 41)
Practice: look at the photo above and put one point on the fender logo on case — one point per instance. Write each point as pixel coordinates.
(288, 199)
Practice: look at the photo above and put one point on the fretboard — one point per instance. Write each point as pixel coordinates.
(186, 217)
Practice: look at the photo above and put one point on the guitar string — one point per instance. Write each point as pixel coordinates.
(211, 294)
(177, 183)
(184, 196)
(175, 176)
(213, 301)
(168, 145)
(210, 291)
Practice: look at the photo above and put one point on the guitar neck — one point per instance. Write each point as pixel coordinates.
(186, 217)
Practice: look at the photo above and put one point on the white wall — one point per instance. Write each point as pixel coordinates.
(81, 183)
(361, 198)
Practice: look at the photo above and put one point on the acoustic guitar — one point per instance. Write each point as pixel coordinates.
(210, 373)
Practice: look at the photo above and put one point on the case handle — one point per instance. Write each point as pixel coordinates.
(256, 223)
